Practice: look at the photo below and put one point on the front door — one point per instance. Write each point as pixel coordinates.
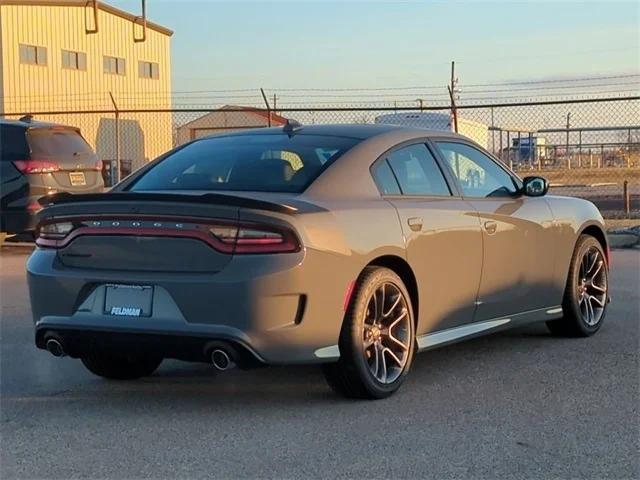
(515, 232)
(442, 232)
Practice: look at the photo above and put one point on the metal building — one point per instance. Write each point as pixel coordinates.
(78, 55)
(227, 119)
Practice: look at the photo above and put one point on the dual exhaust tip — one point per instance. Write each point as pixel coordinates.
(55, 348)
(219, 358)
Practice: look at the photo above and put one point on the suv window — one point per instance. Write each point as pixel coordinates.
(13, 143)
(478, 174)
(417, 171)
(263, 163)
(57, 142)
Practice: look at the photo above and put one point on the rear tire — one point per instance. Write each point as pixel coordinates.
(116, 367)
(586, 293)
(377, 341)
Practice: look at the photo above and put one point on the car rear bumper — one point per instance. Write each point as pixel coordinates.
(273, 309)
(81, 341)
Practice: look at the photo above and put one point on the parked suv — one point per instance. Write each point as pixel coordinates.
(37, 159)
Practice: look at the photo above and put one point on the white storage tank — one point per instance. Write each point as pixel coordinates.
(476, 131)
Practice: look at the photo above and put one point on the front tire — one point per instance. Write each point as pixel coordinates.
(377, 340)
(586, 293)
(120, 367)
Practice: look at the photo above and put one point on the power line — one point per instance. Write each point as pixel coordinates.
(559, 87)
(566, 80)
(380, 89)
(445, 101)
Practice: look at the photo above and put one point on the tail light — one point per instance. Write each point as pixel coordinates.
(36, 166)
(55, 231)
(254, 239)
(33, 207)
(230, 238)
(98, 166)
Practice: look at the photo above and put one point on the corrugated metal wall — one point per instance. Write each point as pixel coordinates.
(32, 88)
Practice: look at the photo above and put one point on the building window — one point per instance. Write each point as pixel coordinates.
(74, 60)
(32, 55)
(148, 70)
(114, 65)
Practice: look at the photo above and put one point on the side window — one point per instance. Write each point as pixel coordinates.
(383, 176)
(478, 174)
(417, 171)
(13, 143)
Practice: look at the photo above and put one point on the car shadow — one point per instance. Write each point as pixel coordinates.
(201, 386)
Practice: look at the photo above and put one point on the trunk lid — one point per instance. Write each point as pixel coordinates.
(157, 232)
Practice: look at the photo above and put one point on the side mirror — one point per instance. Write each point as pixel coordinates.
(534, 186)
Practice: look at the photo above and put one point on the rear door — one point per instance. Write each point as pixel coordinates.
(78, 168)
(517, 233)
(14, 188)
(442, 232)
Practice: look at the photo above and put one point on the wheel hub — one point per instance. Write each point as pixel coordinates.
(387, 332)
(592, 286)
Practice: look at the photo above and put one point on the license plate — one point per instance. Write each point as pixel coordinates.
(77, 179)
(128, 300)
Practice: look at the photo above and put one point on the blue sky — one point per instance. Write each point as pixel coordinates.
(227, 45)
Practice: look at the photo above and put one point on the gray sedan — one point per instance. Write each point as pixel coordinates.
(349, 246)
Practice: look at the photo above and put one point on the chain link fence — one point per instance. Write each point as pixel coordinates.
(585, 148)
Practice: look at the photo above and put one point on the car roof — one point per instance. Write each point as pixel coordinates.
(33, 124)
(356, 131)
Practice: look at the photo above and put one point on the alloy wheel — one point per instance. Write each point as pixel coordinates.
(387, 333)
(592, 286)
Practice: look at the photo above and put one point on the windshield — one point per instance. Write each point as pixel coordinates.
(264, 163)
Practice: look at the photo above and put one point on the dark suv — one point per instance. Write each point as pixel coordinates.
(37, 159)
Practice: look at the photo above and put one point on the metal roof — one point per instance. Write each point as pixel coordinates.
(84, 3)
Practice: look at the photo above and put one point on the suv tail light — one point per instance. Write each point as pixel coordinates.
(98, 166)
(36, 166)
(223, 236)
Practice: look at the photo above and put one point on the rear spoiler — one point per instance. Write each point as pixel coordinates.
(206, 198)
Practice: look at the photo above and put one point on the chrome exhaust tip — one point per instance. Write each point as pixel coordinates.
(221, 360)
(54, 347)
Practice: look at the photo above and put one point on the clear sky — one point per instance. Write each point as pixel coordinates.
(227, 45)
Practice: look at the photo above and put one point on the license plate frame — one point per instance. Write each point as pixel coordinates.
(77, 179)
(121, 300)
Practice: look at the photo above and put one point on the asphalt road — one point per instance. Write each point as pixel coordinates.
(520, 404)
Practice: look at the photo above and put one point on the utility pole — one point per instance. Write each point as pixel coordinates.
(275, 102)
(453, 76)
(567, 143)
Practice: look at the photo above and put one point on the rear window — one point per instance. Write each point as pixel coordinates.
(263, 163)
(57, 142)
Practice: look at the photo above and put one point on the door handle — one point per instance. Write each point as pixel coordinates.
(415, 223)
(490, 227)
